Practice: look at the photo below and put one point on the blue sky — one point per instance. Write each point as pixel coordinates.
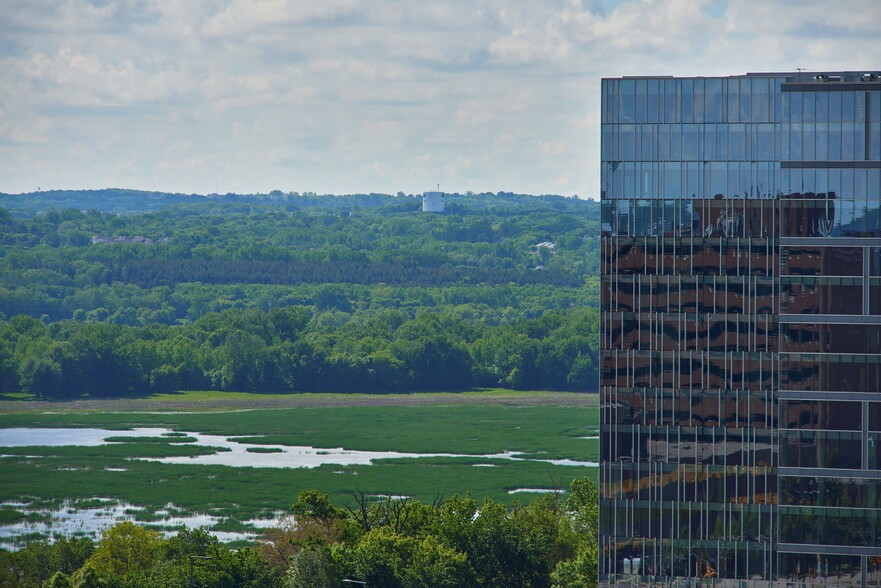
(350, 96)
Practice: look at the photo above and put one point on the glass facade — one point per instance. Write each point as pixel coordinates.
(741, 331)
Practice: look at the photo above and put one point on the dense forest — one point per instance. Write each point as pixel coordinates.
(394, 543)
(132, 292)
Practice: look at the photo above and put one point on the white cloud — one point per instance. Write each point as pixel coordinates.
(358, 95)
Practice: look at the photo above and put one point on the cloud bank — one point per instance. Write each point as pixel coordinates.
(359, 96)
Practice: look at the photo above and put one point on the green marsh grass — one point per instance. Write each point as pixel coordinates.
(49, 475)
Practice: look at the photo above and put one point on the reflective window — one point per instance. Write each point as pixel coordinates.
(811, 337)
(834, 107)
(821, 414)
(822, 106)
(687, 100)
(832, 571)
(820, 491)
(821, 296)
(761, 100)
(827, 372)
(627, 101)
(820, 449)
(830, 526)
(733, 100)
(690, 142)
(713, 100)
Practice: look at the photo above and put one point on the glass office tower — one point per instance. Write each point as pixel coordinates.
(741, 331)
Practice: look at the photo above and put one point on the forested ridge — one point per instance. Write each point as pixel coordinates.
(295, 292)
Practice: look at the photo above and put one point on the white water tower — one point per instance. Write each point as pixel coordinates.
(432, 202)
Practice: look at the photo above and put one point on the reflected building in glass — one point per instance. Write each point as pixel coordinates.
(741, 331)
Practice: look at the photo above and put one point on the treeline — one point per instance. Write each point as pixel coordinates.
(383, 297)
(128, 304)
(394, 543)
(294, 349)
(124, 201)
(50, 269)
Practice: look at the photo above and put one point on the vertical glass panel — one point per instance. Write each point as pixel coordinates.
(687, 100)
(848, 112)
(873, 184)
(733, 100)
(860, 184)
(675, 142)
(627, 97)
(847, 187)
(834, 141)
(672, 180)
(874, 142)
(608, 145)
(795, 133)
(721, 142)
(874, 106)
(795, 181)
(617, 180)
(641, 97)
(860, 106)
(809, 107)
(859, 141)
(713, 100)
(809, 140)
(690, 142)
(646, 189)
(662, 138)
(734, 188)
(626, 142)
(795, 106)
(693, 186)
(652, 101)
(835, 182)
(647, 142)
(670, 101)
(736, 142)
(822, 106)
(821, 181)
(848, 135)
(709, 142)
(629, 179)
(760, 100)
(718, 179)
(764, 142)
(821, 145)
(765, 181)
(786, 132)
(834, 106)
(606, 216)
(746, 186)
(698, 100)
(745, 100)
(807, 181)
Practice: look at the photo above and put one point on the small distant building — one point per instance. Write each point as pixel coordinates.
(433, 201)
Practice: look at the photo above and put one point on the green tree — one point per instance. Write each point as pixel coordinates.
(125, 548)
(583, 508)
(41, 376)
(311, 568)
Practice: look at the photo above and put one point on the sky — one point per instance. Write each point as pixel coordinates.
(356, 96)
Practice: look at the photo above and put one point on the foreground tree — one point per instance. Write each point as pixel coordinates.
(583, 507)
(390, 543)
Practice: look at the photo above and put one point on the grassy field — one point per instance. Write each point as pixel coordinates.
(542, 426)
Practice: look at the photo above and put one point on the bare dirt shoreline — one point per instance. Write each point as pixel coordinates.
(216, 402)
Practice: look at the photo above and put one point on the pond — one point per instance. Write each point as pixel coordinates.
(234, 453)
(91, 517)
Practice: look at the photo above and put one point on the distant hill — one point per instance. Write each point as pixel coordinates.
(122, 201)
